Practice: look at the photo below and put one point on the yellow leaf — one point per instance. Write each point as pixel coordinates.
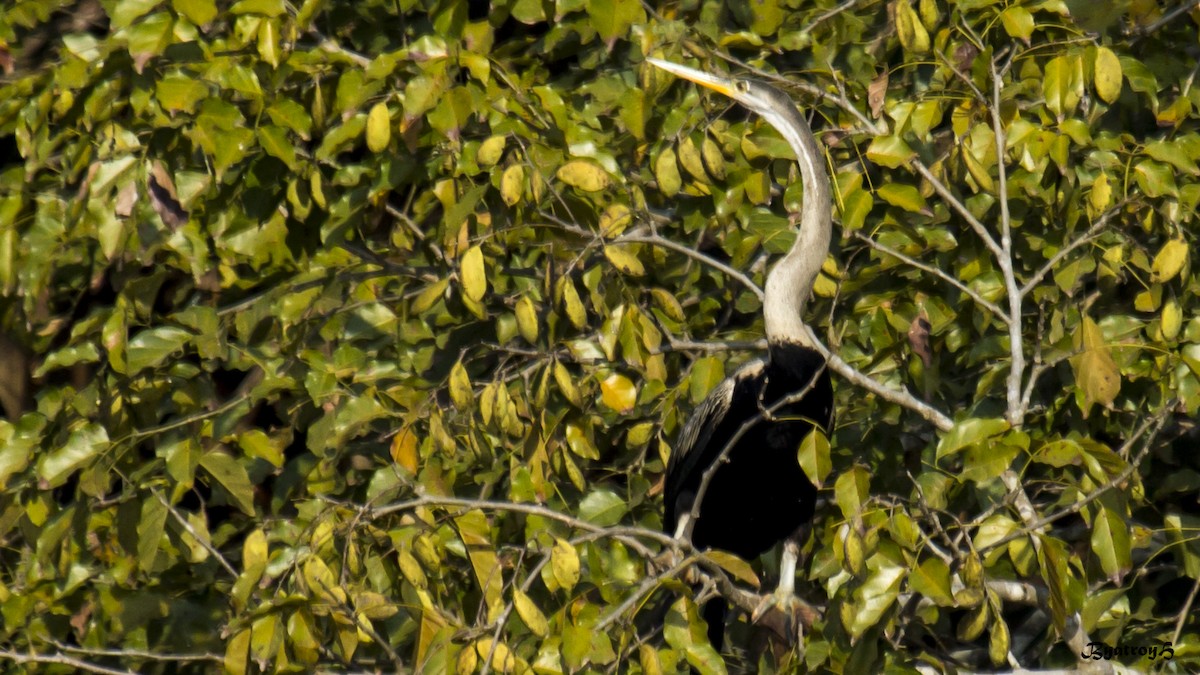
(564, 564)
(474, 281)
(379, 127)
(614, 220)
(268, 41)
(490, 151)
(714, 161)
(1096, 373)
(530, 614)
(1101, 195)
(913, 36)
(563, 377)
(404, 450)
(618, 393)
(584, 175)
(734, 565)
(666, 172)
(824, 287)
(1107, 75)
(411, 569)
(254, 553)
(527, 320)
(689, 157)
(573, 305)
(460, 386)
(624, 260)
(1172, 319)
(512, 184)
(1169, 261)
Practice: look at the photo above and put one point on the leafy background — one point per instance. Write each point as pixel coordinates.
(355, 336)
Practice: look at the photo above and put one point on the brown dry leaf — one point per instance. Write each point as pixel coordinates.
(875, 94)
(918, 338)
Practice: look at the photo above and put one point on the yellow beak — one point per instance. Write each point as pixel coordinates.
(718, 84)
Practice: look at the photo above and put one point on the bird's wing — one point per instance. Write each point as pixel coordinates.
(696, 434)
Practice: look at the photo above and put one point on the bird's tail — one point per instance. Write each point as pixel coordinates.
(714, 615)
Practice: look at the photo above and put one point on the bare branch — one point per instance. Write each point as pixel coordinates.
(62, 660)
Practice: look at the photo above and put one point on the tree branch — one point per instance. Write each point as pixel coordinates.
(929, 269)
(1091, 233)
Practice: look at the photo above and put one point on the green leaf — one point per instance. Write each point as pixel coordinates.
(199, 12)
(851, 490)
(613, 18)
(707, 373)
(686, 632)
(287, 113)
(932, 579)
(150, 531)
(564, 564)
(151, 346)
(232, 476)
(180, 93)
(876, 595)
(889, 151)
(275, 141)
(1018, 22)
(83, 444)
(603, 508)
(968, 432)
(268, 42)
(814, 457)
(1111, 543)
(18, 443)
(1107, 75)
(1063, 84)
(855, 208)
(906, 197)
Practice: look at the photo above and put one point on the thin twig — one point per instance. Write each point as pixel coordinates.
(196, 535)
(930, 269)
(1089, 235)
(1185, 613)
(62, 660)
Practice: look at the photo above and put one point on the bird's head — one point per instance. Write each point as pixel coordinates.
(772, 104)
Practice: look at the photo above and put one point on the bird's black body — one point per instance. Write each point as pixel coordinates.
(761, 495)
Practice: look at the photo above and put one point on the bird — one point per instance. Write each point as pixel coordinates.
(737, 453)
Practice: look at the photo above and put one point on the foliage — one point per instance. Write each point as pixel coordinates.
(360, 332)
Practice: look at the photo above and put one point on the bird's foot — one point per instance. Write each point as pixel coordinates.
(784, 613)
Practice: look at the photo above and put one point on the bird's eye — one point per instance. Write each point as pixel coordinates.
(742, 86)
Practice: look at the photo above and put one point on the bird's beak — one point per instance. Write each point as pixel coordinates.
(718, 84)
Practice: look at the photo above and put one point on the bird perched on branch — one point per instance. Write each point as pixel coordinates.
(734, 481)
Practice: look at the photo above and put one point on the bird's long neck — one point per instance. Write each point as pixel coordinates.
(791, 279)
